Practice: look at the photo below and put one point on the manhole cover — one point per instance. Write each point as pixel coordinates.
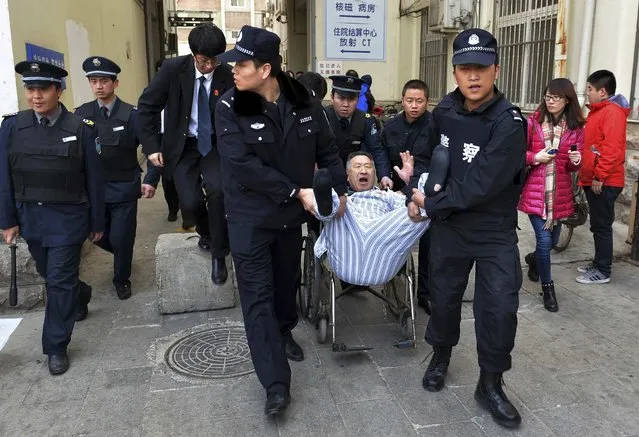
(213, 353)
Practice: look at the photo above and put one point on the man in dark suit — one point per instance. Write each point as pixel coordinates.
(187, 88)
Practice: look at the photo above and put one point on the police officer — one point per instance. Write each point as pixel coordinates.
(115, 123)
(474, 221)
(271, 133)
(406, 132)
(52, 193)
(354, 129)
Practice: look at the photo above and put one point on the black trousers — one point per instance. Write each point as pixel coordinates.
(267, 265)
(193, 173)
(498, 279)
(602, 215)
(422, 265)
(59, 266)
(119, 237)
(170, 194)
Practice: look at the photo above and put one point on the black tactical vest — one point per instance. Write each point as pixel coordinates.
(47, 163)
(118, 148)
(351, 139)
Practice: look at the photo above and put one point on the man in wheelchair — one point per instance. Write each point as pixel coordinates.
(370, 243)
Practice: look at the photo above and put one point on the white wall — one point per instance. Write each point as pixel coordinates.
(8, 91)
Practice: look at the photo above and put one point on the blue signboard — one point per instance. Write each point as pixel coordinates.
(41, 54)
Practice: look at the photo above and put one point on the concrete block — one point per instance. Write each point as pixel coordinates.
(183, 276)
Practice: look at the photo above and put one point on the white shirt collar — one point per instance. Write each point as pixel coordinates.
(199, 74)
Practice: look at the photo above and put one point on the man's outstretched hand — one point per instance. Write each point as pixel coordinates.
(408, 164)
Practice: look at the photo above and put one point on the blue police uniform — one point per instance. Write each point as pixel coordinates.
(268, 152)
(51, 187)
(360, 131)
(116, 127)
(474, 220)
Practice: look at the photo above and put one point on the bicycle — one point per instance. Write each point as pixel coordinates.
(578, 218)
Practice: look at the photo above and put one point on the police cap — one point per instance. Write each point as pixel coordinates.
(40, 74)
(346, 85)
(253, 43)
(99, 66)
(475, 46)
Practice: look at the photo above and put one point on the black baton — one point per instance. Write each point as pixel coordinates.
(13, 290)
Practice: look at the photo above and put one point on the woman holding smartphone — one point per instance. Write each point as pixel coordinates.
(555, 141)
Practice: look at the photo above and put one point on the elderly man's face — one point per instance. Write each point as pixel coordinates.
(361, 173)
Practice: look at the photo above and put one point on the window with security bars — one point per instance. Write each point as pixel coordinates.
(525, 31)
(432, 61)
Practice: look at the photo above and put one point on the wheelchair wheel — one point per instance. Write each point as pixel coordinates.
(308, 276)
(316, 273)
(406, 323)
(322, 330)
(565, 235)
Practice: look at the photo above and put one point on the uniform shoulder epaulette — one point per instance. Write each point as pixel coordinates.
(11, 114)
(88, 122)
(135, 108)
(516, 115)
(368, 115)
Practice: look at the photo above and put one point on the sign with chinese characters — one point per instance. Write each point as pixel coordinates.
(329, 68)
(356, 29)
(41, 54)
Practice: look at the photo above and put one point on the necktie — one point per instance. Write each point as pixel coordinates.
(204, 128)
(105, 112)
(344, 122)
(44, 122)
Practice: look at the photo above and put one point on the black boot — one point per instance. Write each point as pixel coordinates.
(490, 395)
(533, 272)
(550, 300)
(435, 375)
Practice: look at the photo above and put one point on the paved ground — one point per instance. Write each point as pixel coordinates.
(574, 372)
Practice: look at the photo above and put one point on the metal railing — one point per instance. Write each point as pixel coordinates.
(525, 30)
(433, 59)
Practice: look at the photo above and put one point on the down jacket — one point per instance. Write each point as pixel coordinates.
(532, 196)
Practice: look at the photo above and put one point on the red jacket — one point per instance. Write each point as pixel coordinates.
(532, 197)
(606, 131)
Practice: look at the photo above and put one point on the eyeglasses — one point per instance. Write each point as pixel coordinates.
(553, 99)
(205, 62)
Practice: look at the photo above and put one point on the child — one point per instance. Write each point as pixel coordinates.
(602, 171)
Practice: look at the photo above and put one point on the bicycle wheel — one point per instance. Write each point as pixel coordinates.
(564, 238)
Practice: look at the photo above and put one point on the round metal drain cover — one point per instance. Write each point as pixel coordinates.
(214, 353)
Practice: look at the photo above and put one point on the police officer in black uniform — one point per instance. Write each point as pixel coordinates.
(474, 220)
(271, 133)
(354, 129)
(52, 193)
(115, 123)
(406, 132)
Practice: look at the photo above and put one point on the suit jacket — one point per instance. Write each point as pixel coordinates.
(172, 88)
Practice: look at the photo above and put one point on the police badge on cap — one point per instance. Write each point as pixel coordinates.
(40, 74)
(475, 46)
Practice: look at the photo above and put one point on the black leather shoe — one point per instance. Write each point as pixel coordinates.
(172, 217)
(550, 300)
(533, 272)
(322, 188)
(435, 375)
(423, 302)
(58, 363)
(84, 297)
(276, 403)
(293, 350)
(490, 395)
(219, 274)
(204, 243)
(123, 289)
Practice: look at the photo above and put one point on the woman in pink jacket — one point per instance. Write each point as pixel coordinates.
(556, 125)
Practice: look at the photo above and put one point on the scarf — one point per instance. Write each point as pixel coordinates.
(552, 138)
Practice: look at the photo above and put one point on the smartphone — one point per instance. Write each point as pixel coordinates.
(552, 151)
(573, 148)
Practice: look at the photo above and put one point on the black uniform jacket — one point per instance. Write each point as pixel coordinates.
(487, 159)
(264, 161)
(172, 88)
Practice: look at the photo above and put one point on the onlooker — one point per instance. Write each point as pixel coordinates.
(366, 100)
(602, 172)
(298, 74)
(315, 83)
(290, 74)
(352, 73)
(553, 130)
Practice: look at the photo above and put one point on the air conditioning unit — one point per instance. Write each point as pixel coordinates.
(449, 15)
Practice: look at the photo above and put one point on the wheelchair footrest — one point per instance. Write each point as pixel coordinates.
(405, 344)
(341, 347)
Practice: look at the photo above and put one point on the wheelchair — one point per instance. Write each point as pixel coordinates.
(320, 288)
